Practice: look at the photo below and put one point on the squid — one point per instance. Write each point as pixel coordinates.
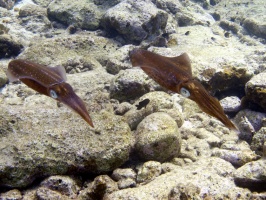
(175, 74)
(50, 81)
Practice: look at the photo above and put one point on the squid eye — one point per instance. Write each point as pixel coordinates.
(53, 94)
(184, 92)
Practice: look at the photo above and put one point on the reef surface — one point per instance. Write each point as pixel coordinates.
(165, 149)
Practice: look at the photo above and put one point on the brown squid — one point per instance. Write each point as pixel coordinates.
(175, 74)
(50, 81)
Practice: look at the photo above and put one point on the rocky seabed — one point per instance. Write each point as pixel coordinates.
(168, 149)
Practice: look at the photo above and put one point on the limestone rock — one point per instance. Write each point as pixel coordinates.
(229, 78)
(50, 140)
(248, 123)
(43, 193)
(119, 174)
(126, 178)
(236, 158)
(231, 104)
(34, 18)
(63, 184)
(149, 171)
(158, 101)
(256, 90)
(11, 194)
(212, 180)
(135, 20)
(171, 6)
(9, 46)
(8, 4)
(43, 3)
(129, 84)
(258, 141)
(59, 50)
(189, 191)
(99, 188)
(157, 137)
(188, 17)
(3, 78)
(252, 175)
(255, 27)
(80, 13)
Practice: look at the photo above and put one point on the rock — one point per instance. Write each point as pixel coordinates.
(126, 183)
(258, 141)
(129, 84)
(264, 149)
(157, 137)
(188, 17)
(44, 193)
(81, 64)
(119, 174)
(126, 178)
(236, 158)
(3, 78)
(43, 3)
(159, 101)
(230, 77)
(231, 104)
(11, 194)
(149, 171)
(212, 177)
(8, 4)
(252, 175)
(119, 60)
(256, 90)
(62, 184)
(57, 139)
(81, 13)
(170, 6)
(122, 108)
(78, 47)
(9, 46)
(229, 26)
(34, 18)
(193, 147)
(135, 20)
(255, 27)
(99, 188)
(30, 194)
(189, 191)
(3, 29)
(4, 12)
(248, 123)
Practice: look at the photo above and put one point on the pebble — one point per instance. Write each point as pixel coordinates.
(231, 104)
(149, 171)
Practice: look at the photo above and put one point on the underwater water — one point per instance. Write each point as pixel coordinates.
(126, 99)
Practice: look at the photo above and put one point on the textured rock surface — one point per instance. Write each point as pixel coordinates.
(252, 175)
(129, 84)
(256, 90)
(127, 18)
(158, 102)
(8, 4)
(225, 41)
(39, 140)
(231, 104)
(149, 171)
(100, 187)
(157, 137)
(199, 174)
(9, 46)
(81, 13)
(34, 18)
